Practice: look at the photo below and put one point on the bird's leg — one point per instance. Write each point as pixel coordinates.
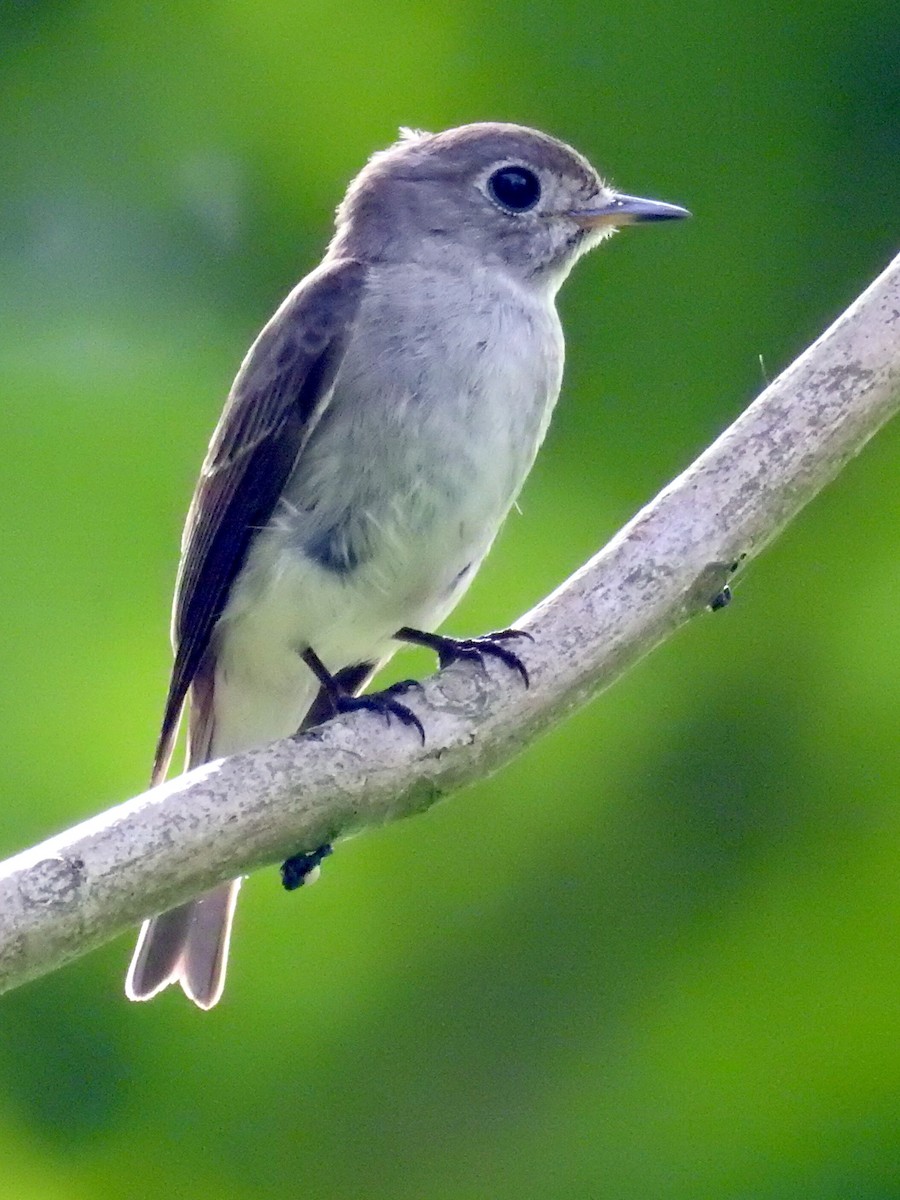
(450, 650)
(723, 597)
(343, 701)
(304, 868)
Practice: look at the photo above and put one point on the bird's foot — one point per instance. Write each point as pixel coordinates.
(721, 599)
(489, 645)
(384, 703)
(303, 868)
(723, 596)
(380, 702)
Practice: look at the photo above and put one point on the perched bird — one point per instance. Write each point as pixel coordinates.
(377, 434)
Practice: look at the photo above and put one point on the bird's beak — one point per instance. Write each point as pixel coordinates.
(627, 210)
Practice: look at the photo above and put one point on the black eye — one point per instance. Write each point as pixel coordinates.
(515, 188)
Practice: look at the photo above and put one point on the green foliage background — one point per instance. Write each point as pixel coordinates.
(657, 956)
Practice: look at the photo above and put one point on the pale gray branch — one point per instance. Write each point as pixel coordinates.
(79, 889)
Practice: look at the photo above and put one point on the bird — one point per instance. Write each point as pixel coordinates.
(377, 433)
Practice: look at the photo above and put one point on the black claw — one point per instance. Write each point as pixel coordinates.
(450, 650)
(475, 649)
(381, 702)
(721, 599)
(342, 701)
(724, 597)
(405, 685)
(296, 870)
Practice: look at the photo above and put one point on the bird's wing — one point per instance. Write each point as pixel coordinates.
(281, 390)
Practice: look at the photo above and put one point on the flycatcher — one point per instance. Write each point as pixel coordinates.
(377, 434)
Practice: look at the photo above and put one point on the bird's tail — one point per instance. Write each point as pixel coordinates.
(189, 944)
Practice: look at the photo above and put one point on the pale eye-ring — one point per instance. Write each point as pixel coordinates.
(515, 188)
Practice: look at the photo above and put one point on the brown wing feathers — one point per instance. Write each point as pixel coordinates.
(282, 386)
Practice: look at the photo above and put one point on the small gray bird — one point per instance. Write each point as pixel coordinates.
(377, 434)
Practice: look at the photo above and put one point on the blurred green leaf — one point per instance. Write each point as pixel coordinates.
(658, 955)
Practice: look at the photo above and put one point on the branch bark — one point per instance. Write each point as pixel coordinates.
(81, 888)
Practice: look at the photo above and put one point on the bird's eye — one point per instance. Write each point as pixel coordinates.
(517, 189)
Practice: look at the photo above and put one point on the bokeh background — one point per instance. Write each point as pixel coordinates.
(657, 956)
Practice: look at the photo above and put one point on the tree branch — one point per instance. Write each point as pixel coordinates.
(79, 889)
